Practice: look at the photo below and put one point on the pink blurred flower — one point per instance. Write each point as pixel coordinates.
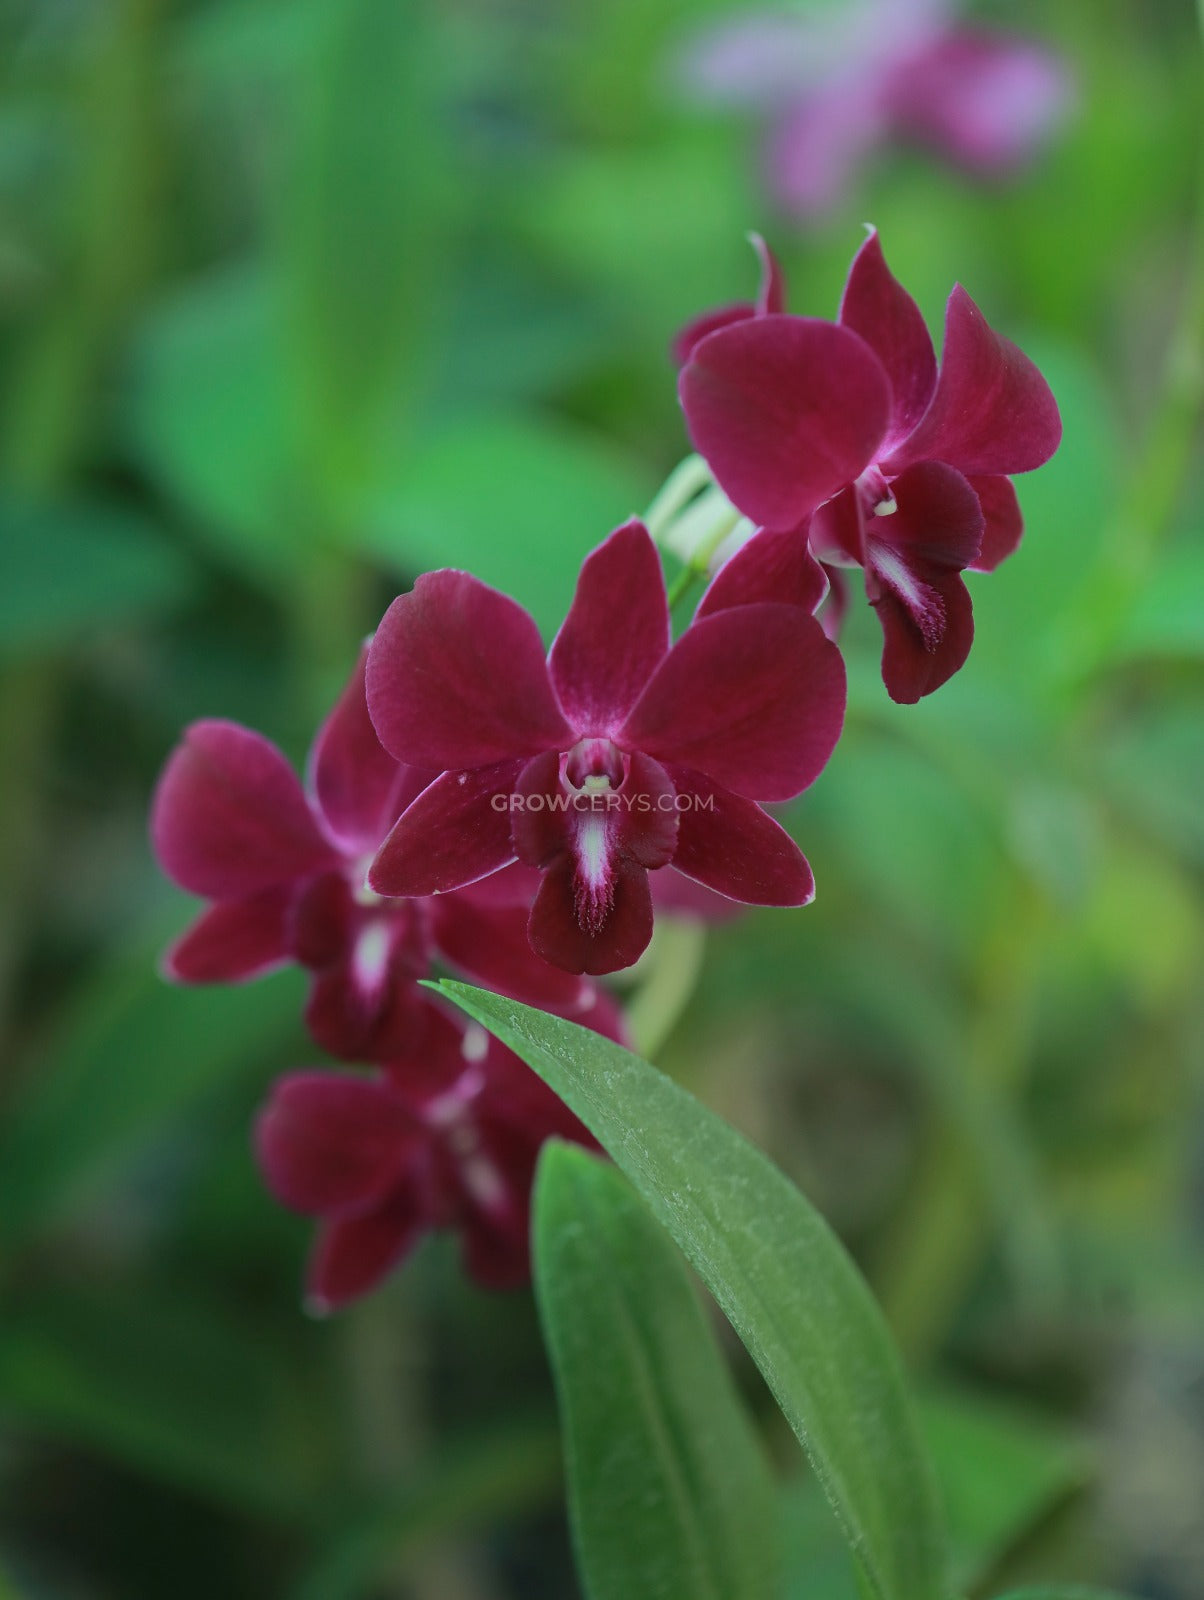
(839, 84)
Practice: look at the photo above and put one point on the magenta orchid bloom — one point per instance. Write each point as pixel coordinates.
(842, 85)
(618, 756)
(847, 433)
(284, 870)
(446, 1137)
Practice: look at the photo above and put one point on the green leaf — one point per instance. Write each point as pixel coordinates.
(130, 1054)
(669, 1491)
(512, 500)
(780, 1275)
(69, 569)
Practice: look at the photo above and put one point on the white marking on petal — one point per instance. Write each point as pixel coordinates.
(475, 1043)
(592, 852)
(926, 606)
(370, 959)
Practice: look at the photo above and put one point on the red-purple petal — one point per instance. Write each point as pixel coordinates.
(771, 566)
(913, 557)
(912, 667)
(230, 817)
(492, 948)
(330, 1145)
(877, 306)
(936, 525)
(458, 830)
(992, 412)
(616, 634)
(353, 1254)
(233, 940)
(754, 697)
(733, 847)
(557, 935)
(365, 1008)
(707, 322)
(675, 895)
(787, 411)
(831, 618)
(1003, 521)
(457, 678)
(359, 787)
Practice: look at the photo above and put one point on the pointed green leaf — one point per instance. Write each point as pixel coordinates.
(780, 1275)
(669, 1491)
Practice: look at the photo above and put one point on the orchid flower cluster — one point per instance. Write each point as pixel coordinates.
(519, 817)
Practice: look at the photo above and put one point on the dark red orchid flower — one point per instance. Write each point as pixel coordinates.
(847, 432)
(446, 1136)
(617, 756)
(284, 870)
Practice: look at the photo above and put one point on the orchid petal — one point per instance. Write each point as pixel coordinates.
(731, 845)
(992, 411)
(777, 567)
(877, 306)
(616, 634)
(329, 1144)
(368, 1006)
(359, 787)
(754, 697)
(491, 946)
(786, 410)
(230, 817)
(1004, 523)
(986, 102)
(353, 1254)
(912, 667)
(457, 678)
(557, 935)
(817, 143)
(771, 297)
(451, 835)
(698, 327)
(233, 940)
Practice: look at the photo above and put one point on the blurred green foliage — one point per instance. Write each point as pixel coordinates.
(300, 297)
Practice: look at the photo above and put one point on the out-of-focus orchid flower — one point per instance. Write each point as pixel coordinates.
(839, 82)
(283, 868)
